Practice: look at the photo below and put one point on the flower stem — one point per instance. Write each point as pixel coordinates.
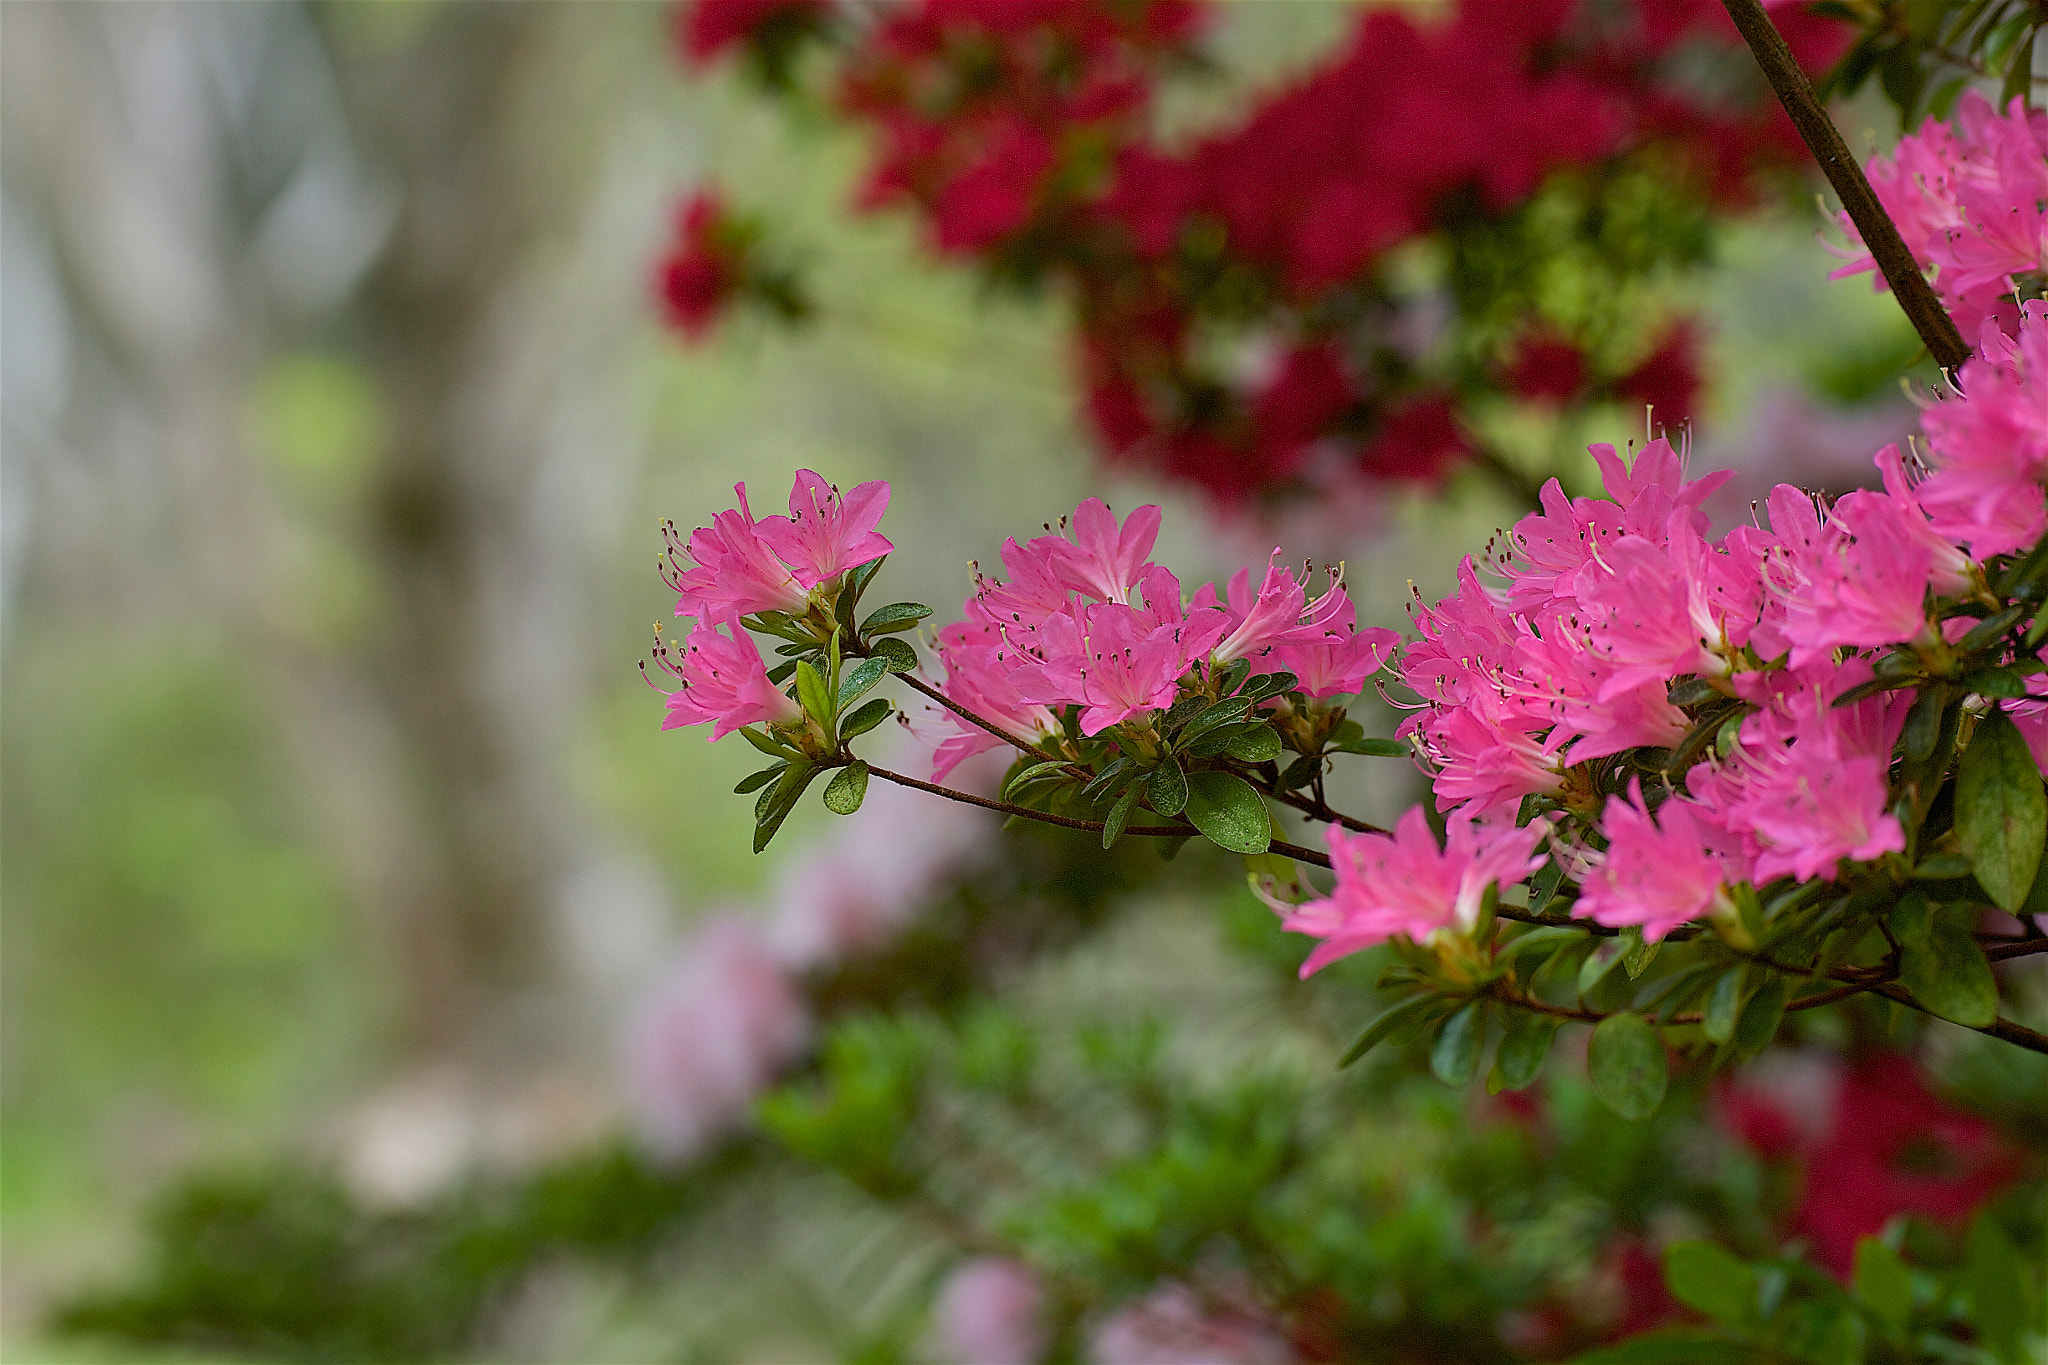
(1916, 297)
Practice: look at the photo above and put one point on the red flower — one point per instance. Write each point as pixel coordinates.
(1419, 442)
(708, 28)
(701, 271)
(1668, 383)
(1309, 393)
(1546, 369)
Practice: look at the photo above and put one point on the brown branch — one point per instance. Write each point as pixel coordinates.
(2005, 1030)
(1824, 140)
(1280, 846)
(974, 720)
(2005, 952)
(1314, 810)
(1916, 297)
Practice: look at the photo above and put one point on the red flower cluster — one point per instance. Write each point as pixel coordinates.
(1886, 1146)
(702, 268)
(1234, 326)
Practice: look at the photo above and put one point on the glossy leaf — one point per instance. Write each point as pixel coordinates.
(864, 718)
(1229, 813)
(1119, 816)
(900, 657)
(1167, 788)
(843, 794)
(1628, 1065)
(894, 617)
(1260, 744)
(1380, 1029)
(860, 679)
(1947, 973)
(1524, 1046)
(1454, 1059)
(2001, 812)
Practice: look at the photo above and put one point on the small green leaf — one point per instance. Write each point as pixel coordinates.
(1266, 685)
(1636, 959)
(1231, 676)
(1942, 867)
(900, 657)
(1455, 1057)
(1119, 816)
(1991, 627)
(1883, 1283)
(1996, 1280)
(1604, 958)
(1227, 712)
(1712, 1281)
(1229, 813)
(1381, 1028)
(860, 679)
(1371, 747)
(2001, 813)
(1759, 1021)
(1548, 936)
(894, 617)
(1301, 772)
(1524, 1045)
(1948, 974)
(1724, 1006)
(1105, 781)
(1031, 772)
(1998, 683)
(764, 744)
(780, 800)
(811, 695)
(1260, 744)
(756, 781)
(843, 794)
(864, 718)
(1628, 1065)
(1923, 722)
(1168, 787)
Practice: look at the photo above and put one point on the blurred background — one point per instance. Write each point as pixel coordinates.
(339, 833)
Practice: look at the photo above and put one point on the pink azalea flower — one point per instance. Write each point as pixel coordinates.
(1336, 664)
(1990, 443)
(735, 571)
(1861, 580)
(1279, 614)
(1103, 560)
(1486, 759)
(1108, 659)
(1404, 884)
(979, 662)
(1655, 873)
(1033, 593)
(826, 534)
(991, 1312)
(723, 682)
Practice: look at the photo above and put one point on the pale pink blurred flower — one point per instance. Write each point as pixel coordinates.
(1173, 1326)
(711, 1037)
(989, 1313)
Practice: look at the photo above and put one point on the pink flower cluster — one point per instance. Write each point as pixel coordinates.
(1602, 605)
(1971, 200)
(1086, 620)
(738, 566)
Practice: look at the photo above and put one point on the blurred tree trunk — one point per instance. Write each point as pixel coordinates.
(435, 763)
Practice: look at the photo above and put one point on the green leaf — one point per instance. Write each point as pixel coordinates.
(1883, 1283)
(1942, 867)
(1636, 960)
(1628, 1065)
(781, 799)
(1999, 683)
(1119, 816)
(1371, 747)
(1231, 676)
(1301, 772)
(1604, 958)
(1030, 773)
(865, 718)
(1168, 787)
(1712, 1281)
(1227, 712)
(1229, 813)
(1379, 1029)
(1260, 744)
(812, 696)
(1996, 1280)
(1759, 1021)
(894, 617)
(1105, 781)
(1548, 936)
(1524, 1045)
(2001, 814)
(1455, 1057)
(848, 786)
(1264, 685)
(1948, 974)
(900, 657)
(1992, 627)
(1923, 722)
(766, 745)
(756, 781)
(1673, 1346)
(1724, 1006)
(860, 679)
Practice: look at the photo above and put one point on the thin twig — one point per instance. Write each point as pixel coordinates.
(1916, 297)
(972, 719)
(2004, 1030)
(1280, 846)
